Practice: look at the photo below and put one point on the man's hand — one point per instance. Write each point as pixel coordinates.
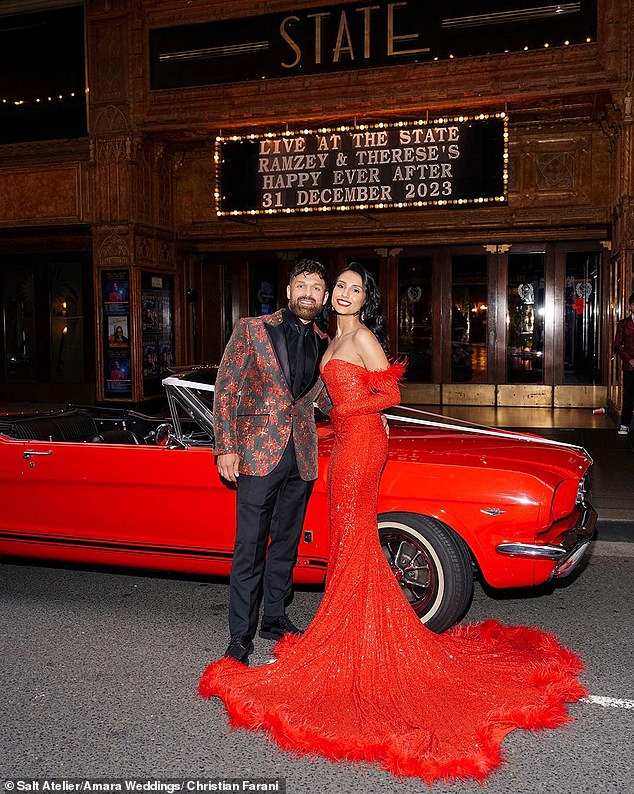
(228, 466)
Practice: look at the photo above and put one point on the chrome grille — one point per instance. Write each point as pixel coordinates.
(582, 491)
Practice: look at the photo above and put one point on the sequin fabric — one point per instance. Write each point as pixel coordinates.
(367, 681)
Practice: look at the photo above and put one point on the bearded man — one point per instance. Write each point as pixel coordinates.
(266, 442)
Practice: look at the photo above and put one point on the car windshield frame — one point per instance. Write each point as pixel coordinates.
(182, 397)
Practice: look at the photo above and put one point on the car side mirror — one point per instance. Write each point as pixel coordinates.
(164, 436)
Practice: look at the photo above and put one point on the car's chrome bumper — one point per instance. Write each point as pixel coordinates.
(567, 554)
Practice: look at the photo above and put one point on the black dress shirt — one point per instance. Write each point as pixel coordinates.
(302, 351)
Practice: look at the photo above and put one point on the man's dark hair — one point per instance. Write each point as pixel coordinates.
(630, 300)
(307, 266)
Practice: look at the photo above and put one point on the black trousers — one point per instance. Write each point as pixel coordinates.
(272, 508)
(628, 397)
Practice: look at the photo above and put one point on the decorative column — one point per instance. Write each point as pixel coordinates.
(137, 284)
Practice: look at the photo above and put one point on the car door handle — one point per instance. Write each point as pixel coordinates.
(29, 453)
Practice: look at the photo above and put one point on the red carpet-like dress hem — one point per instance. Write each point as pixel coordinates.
(411, 755)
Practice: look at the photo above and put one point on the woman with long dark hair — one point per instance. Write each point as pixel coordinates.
(371, 314)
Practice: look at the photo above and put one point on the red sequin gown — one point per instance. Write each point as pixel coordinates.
(367, 681)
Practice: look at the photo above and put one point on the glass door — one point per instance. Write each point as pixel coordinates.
(525, 343)
(469, 318)
(19, 321)
(415, 318)
(582, 320)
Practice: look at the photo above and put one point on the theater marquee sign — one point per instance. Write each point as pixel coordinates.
(306, 40)
(441, 162)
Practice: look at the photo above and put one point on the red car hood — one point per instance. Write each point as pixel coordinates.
(506, 450)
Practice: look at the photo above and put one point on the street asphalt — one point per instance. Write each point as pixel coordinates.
(99, 670)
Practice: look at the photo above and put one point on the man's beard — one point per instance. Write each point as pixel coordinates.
(304, 312)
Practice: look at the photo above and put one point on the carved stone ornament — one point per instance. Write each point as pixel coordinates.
(110, 119)
(555, 170)
(143, 249)
(113, 249)
(166, 252)
(497, 248)
(111, 149)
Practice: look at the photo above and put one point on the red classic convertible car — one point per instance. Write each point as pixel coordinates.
(113, 486)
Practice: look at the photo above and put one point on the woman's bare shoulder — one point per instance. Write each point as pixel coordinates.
(370, 350)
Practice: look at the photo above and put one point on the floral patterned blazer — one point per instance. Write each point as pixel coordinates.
(254, 409)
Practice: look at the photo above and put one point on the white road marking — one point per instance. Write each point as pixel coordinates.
(615, 703)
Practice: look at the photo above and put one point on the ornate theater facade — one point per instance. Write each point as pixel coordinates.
(161, 182)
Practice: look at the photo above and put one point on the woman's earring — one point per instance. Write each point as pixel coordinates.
(362, 315)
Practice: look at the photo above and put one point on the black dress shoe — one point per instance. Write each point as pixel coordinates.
(239, 649)
(278, 627)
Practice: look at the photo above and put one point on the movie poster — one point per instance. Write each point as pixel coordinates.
(115, 286)
(157, 307)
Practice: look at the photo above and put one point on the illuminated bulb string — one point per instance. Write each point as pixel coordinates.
(41, 100)
(360, 127)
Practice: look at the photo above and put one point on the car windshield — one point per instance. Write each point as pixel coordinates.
(190, 400)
